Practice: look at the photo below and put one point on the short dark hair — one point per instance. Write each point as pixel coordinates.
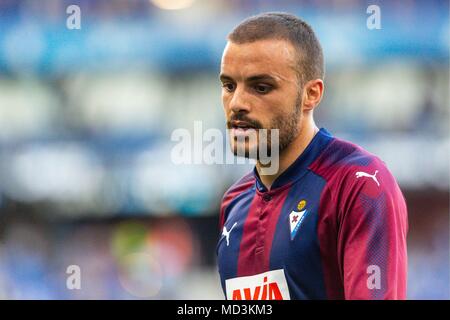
(284, 26)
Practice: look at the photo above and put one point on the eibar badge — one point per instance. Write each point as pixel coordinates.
(296, 218)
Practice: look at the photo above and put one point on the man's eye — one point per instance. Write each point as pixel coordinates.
(262, 88)
(228, 86)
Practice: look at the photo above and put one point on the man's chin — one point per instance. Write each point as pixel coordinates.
(245, 151)
(242, 134)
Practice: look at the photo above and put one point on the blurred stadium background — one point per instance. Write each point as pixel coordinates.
(86, 118)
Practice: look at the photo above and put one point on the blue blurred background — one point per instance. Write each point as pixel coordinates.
(86, 117)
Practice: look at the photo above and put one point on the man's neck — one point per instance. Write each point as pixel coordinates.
(290, 153)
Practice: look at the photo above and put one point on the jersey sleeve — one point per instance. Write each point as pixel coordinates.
(372, 236)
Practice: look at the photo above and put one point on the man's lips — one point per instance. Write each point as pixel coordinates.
(242, 125)
(241, 128)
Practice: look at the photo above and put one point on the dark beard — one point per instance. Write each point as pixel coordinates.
(286, 124)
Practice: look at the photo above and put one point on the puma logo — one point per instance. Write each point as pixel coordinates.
(226, 233)
(360, 174)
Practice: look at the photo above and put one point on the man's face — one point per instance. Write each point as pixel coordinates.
(260, 90)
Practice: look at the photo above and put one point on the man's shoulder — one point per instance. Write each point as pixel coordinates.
(241, 185)
(347, 167)
(341, 157)
(352, 172)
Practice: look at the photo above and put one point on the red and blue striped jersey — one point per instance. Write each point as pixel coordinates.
(332, 226)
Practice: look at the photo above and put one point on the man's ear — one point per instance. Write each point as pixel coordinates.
(312, 94)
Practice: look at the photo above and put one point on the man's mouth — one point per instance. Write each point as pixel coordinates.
(241, 125)
(240, 128)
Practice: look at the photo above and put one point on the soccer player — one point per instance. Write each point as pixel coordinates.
(331, 223)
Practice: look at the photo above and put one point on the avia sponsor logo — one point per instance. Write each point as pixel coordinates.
(269, 285)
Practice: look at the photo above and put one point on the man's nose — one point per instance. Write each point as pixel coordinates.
(240, 102)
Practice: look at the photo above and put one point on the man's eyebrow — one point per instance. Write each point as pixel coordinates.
(224, 77)
(258, 77)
